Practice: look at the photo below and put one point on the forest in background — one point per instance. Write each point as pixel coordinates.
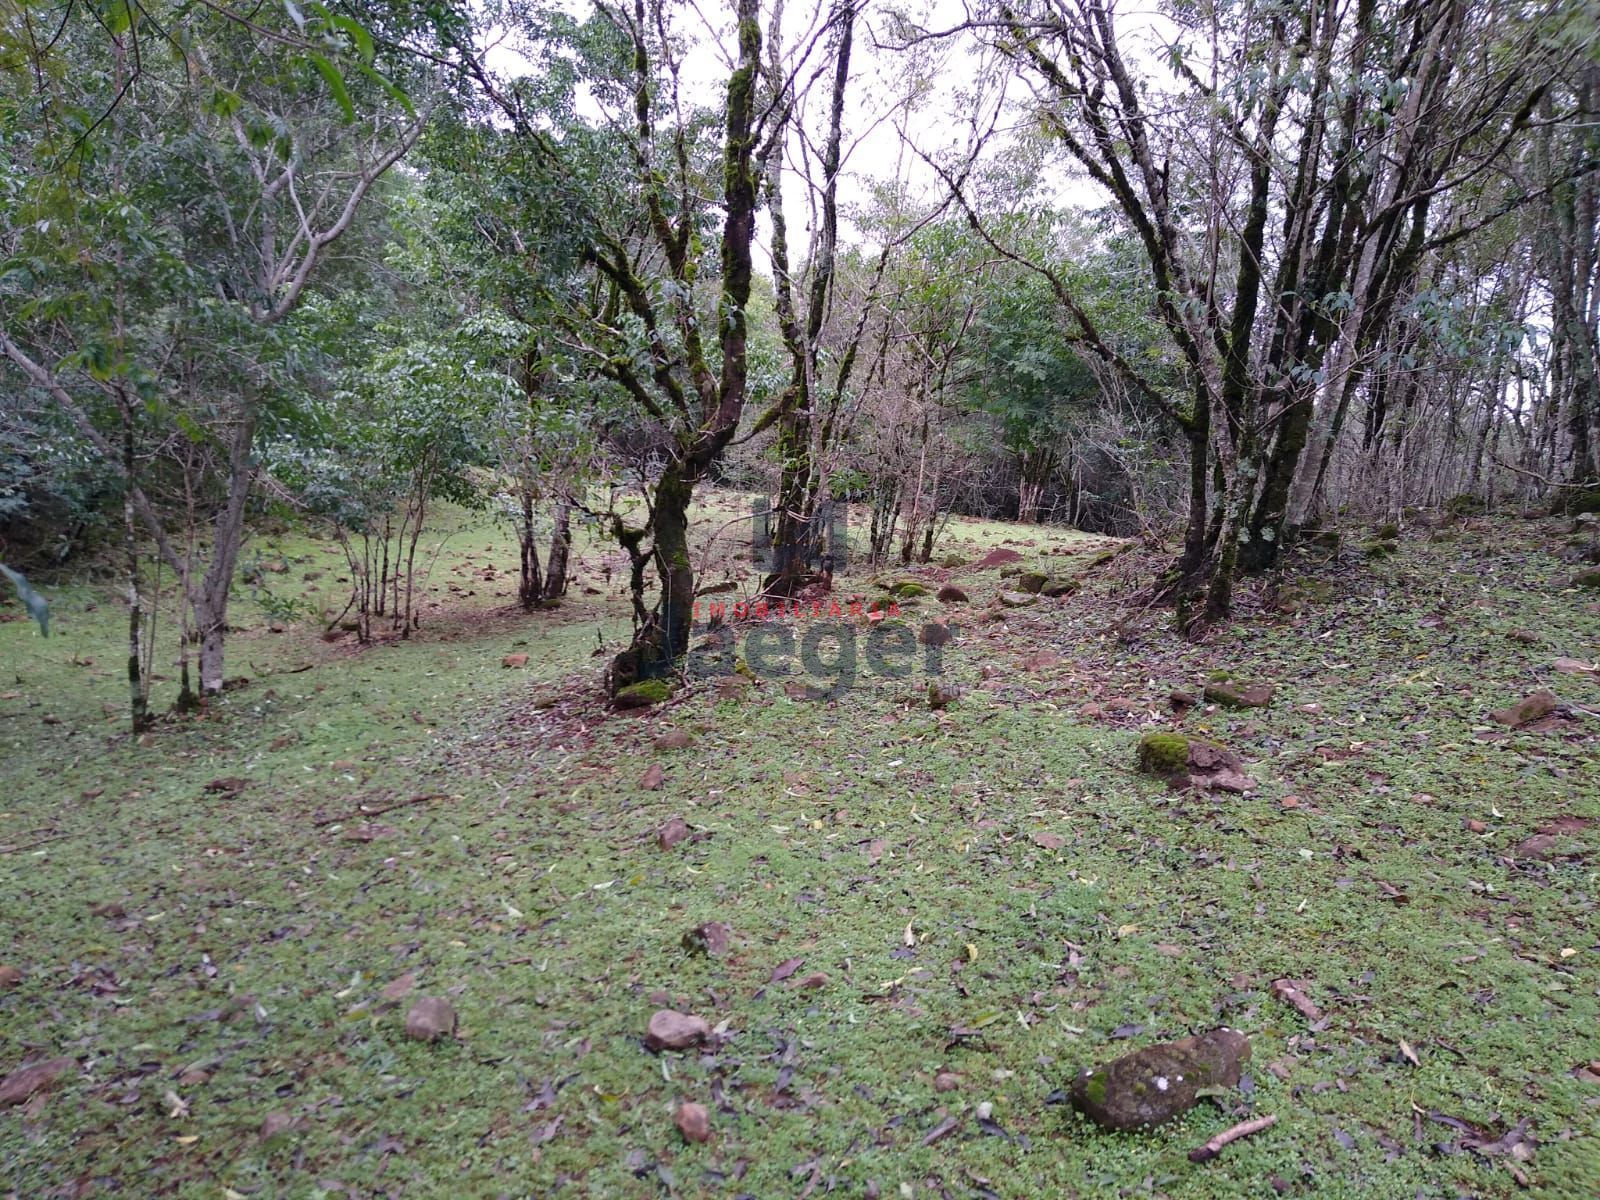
(1221, 276)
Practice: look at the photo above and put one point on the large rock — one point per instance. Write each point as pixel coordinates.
(643, 694)
(712, 939)
(1154, 1085)
(1540, 704)
(669, 1030)
(1032, 582)
(1185, 761)
(1235, 693)
(430, 1018)
(1017, 599)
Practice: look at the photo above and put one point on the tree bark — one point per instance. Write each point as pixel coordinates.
(555, 578)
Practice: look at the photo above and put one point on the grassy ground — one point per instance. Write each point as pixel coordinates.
(989, 890)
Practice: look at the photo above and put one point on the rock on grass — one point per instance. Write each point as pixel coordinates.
(1532, 708)
(430, 1018)
(693, 1121)
(1156, 1084)
(711, 939)
(1233, 693)
(671, 1030)
(643, 694)
(1185, 761)
(671, 832)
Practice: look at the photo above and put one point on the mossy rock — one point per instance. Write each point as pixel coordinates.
(1532, 708)
(644, 693)
(1057, 588)
(1327, 539)
(951, 561)
(1587, 579)
(1032, 582)
(1152, 1086)
(1238, 694)
(906, 589)
(1387, 532)
(1465, 505)
(1164, 754)
(1379, 549)
(1192, 762)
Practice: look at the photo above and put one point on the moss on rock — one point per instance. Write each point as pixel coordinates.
(1032, 582)
(1164, 754)
(644, 693)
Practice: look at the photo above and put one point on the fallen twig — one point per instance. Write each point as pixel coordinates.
(1214, 1147)
(54, 837)
(364, 811)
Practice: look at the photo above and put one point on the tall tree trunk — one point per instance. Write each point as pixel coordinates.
(555, 578)
(796, 538)
(712, 416)
(530, 583)
(210, 600)
(138, 693)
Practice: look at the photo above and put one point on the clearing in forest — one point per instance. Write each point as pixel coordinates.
(925, 921)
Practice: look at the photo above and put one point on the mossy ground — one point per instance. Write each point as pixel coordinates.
(1060, 907)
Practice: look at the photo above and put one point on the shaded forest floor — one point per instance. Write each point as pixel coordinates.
(987, 893)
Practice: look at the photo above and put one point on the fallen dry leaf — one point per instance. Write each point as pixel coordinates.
(1294, 993)
(24, 1082)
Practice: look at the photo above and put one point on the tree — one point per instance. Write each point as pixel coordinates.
(648, 318)
(1283, 171)
(169, 213)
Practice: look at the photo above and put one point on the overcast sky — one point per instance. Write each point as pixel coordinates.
(878, 119)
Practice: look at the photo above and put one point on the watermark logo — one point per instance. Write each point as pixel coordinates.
(830, 654)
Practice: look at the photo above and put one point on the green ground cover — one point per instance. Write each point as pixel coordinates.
(990, 891)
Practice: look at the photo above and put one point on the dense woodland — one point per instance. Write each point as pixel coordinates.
(1222, 274)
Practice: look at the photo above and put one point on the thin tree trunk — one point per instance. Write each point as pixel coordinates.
(555, 579)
